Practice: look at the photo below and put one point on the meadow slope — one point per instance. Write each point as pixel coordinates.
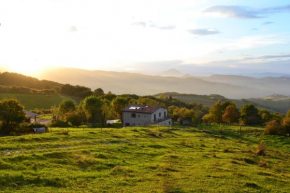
(145, 159)
(32, 101)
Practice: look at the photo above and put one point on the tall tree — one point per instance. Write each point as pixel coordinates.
(288, 114)
(11, 114)
(99, 92)
(216, 111)
(92, 107)
(286, 125)
(250, 115)
(107, 111)
(65, 107)
(76, 118)
(231, 114)
(265, 116)
(118, 104)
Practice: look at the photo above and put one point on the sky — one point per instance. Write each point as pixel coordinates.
(150, 36)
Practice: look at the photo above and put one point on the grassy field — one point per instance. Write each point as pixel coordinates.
(145, 159)
(32, 101)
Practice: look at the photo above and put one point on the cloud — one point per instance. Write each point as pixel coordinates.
(276, 9)
(254, 29)
(153, 25)
(235, 12)
(267, 23)
(204, 32)
(274, 56)
(73, 29)
(243, 12)
(139, 23)
(168, 27)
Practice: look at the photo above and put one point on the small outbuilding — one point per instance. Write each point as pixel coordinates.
(184, 121)
(31, 115)
(39, 130)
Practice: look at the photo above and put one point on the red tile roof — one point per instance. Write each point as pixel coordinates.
(141, 108)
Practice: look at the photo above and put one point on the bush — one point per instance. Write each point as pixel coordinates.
(26, 128)
(261, 151)
(274, 128)
(58, 123)
(286, 124)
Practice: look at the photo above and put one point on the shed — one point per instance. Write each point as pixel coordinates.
(31, 115)
(184, 121)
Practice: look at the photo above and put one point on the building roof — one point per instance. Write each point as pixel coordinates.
(141, 108)
(30, 114)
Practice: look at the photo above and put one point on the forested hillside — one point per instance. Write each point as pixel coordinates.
(14, 79)
(273, 103)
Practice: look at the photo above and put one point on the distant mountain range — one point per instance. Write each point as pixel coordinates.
(230, 86)
(176, 73)
(171, 73)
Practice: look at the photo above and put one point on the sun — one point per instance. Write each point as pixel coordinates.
(29, 70)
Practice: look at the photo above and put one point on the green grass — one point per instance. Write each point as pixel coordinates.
(32, 101)
(145, 159)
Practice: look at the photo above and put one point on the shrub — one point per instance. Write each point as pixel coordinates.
(25, 128)
(261, 151)
(274, 128)
(286, 124)
(58, 123)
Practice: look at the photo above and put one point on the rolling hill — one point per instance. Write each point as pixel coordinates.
(205, 88)
(235, 87)
(273, 103)
(15, 79)
(33, 101)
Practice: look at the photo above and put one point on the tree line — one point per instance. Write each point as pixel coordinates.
(99, 107)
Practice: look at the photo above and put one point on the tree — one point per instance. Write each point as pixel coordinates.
(107, 111)
(288, 114)
(109, 97)
(277, 116)
(231, 114)
(11, 115)
(208, 118)
(162, 96)
(99, 92)
(265, 116)
(65, 107)
(250, 115)
(92, 107)
(78, 91)
(216, 112)
(147, 101)
(286, 125)
(274, 128)
(118, 104)
(75, 118)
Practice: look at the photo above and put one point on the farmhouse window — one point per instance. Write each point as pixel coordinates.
(133, 115)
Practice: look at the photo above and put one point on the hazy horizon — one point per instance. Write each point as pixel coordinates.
(195, 37)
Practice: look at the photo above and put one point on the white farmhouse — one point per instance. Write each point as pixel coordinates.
(139, 115)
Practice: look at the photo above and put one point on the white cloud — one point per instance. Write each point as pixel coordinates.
(204, 32)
